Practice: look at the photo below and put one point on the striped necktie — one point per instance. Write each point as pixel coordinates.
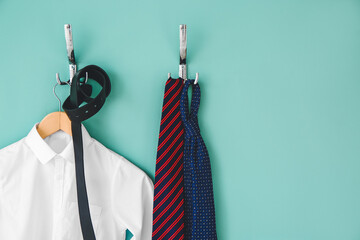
(168, 212)
(199, 198)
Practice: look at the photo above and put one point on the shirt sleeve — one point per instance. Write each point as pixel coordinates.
(133, 193)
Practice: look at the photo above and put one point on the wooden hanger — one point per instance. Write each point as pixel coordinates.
(54, 122)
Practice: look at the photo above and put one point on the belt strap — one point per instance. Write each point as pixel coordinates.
(80, 92)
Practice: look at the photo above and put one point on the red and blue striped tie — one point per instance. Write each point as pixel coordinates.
(168, 212)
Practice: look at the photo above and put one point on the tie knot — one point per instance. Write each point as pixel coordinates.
(192, 127)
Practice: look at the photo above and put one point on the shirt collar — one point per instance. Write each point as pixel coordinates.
(45, 153)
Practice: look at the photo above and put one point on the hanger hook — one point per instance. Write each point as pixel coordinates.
(59, 83)
(57, 95)
(86, 77)
(196, 78)
(68, 82)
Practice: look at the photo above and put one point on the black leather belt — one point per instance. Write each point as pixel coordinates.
(80, 92)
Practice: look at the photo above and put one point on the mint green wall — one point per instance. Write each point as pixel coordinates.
(280, 110)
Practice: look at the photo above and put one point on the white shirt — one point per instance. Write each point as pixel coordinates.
(38, 198)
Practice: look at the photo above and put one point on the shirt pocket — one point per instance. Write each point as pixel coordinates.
(71, 224)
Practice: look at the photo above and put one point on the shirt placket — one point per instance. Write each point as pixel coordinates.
(58, 196)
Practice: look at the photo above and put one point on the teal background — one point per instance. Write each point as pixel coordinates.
(280, 108)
